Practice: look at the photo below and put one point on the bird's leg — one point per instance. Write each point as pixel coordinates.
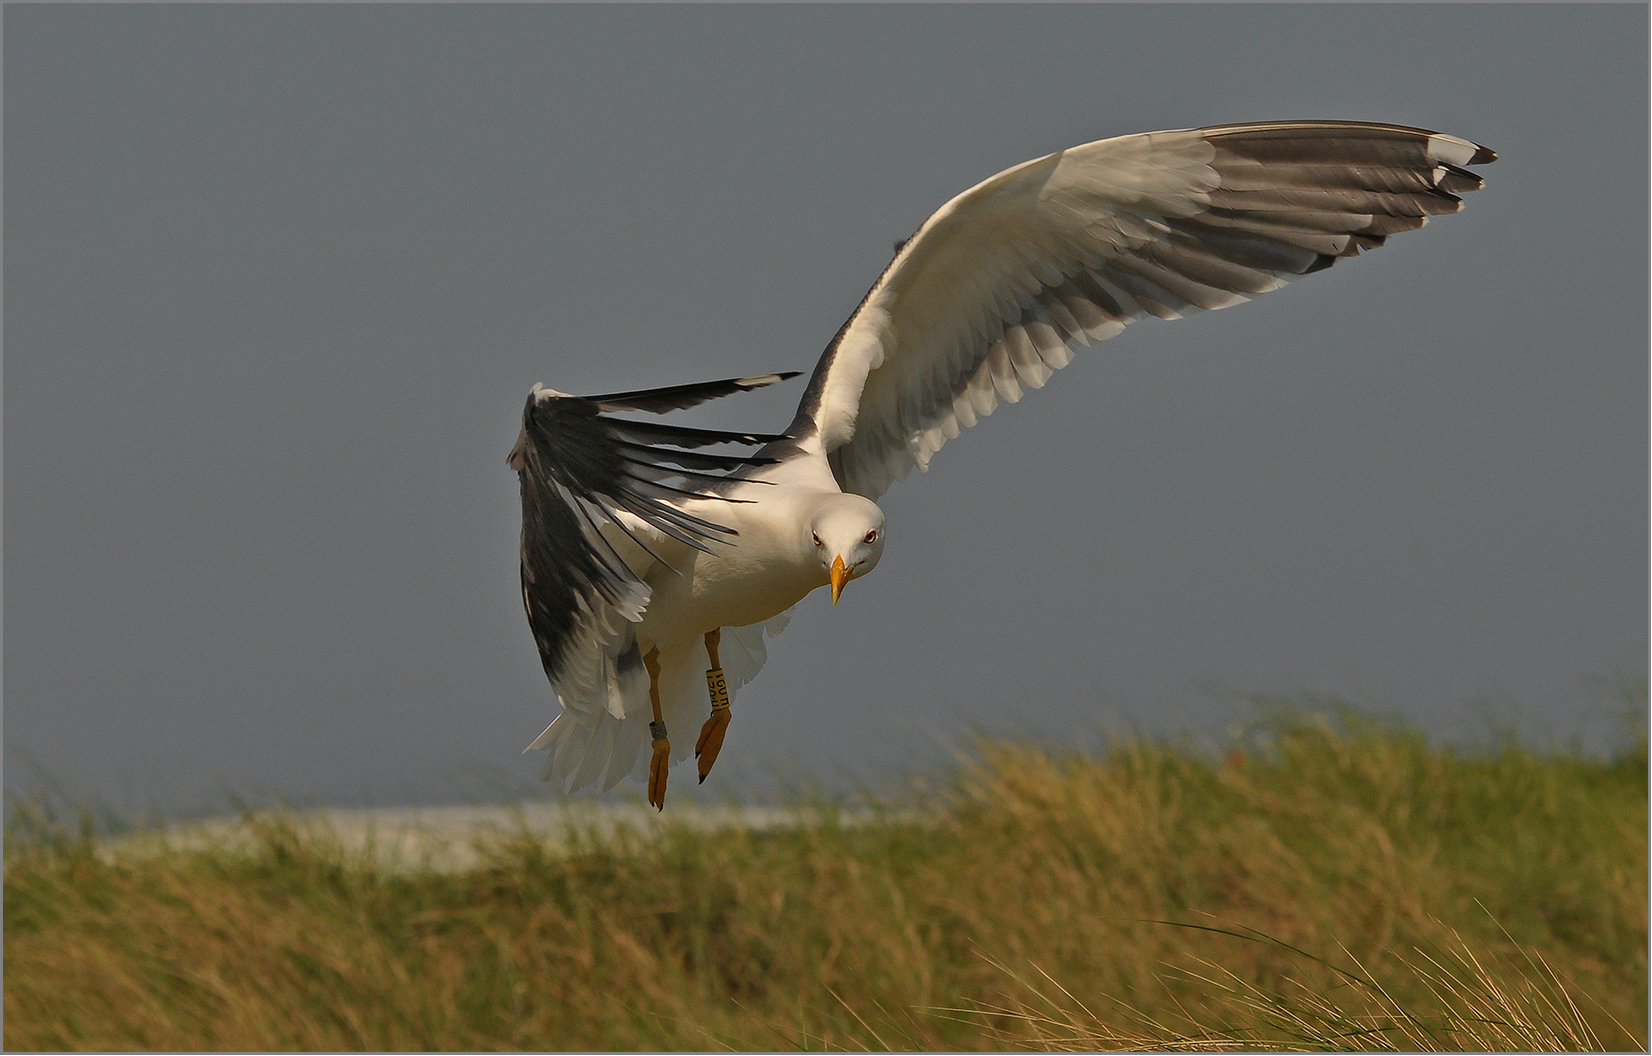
(711, 734)
(660, 765)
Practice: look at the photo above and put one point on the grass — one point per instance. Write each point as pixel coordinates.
(1329, 884)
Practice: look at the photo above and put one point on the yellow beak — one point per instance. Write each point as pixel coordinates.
(840, 576)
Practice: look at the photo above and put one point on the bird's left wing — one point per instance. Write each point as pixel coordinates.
(998, 287)
(580, 471)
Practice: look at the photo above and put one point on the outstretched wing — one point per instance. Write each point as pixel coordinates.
(997, 288)
(581, 470)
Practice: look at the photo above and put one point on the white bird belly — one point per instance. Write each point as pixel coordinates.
(733, 587)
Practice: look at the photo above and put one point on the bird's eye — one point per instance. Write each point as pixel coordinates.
(871, 537)
(817, 538)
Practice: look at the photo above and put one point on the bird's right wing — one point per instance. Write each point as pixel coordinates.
(998, 287)
(592, 487)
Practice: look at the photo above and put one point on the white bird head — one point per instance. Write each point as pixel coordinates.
(846, 533)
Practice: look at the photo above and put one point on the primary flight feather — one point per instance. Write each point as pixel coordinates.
(639, 547)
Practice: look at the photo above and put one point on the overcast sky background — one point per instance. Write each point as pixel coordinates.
(278, 278)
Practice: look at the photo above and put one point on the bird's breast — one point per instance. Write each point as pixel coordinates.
(745, 586)
(735, 586)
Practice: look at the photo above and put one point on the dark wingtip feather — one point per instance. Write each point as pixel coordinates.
(1483, 156)
(1457, 179)
(683, 436)
(682, 397)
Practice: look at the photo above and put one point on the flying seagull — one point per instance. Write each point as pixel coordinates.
(640, 547)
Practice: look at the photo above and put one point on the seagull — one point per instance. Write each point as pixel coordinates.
(640, 548)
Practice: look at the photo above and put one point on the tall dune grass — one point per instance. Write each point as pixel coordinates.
(1329, 884)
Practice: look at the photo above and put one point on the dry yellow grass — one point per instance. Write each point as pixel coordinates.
(1330, 886)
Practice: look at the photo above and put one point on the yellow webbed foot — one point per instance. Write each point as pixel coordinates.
(659, 766)
(710, 741)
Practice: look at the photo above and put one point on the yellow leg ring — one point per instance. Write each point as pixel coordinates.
(717, 686)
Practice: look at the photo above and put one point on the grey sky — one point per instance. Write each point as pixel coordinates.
(278, 279)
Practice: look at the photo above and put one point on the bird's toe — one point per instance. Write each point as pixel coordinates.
(710, 741)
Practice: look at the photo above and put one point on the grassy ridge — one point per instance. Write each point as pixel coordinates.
(1361, 890)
